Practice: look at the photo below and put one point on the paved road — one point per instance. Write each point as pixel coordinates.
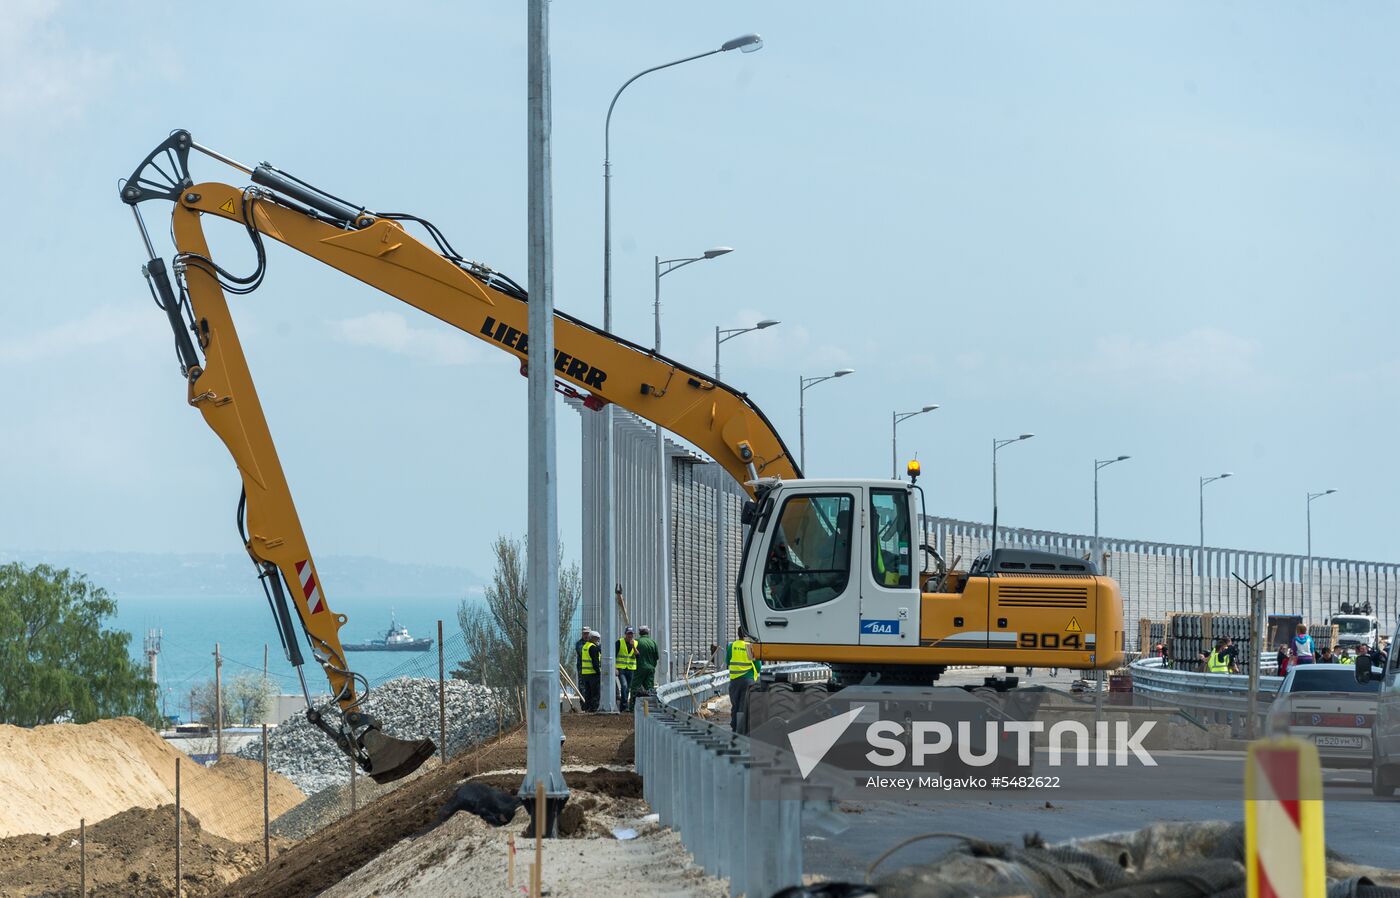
(1364, 831)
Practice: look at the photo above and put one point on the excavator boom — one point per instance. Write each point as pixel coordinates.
(376, 249)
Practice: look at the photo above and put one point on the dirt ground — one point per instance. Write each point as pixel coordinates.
(130, 854)
(53, 776)
(330, 856)
(466, 858)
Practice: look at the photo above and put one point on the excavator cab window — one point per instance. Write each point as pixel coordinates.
(890, 556)
(809, 558)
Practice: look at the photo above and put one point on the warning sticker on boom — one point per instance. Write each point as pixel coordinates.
(227, 206)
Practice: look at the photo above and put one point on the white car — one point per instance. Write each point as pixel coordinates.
(1324, 704)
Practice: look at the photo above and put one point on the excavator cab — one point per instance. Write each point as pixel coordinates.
(829, 575)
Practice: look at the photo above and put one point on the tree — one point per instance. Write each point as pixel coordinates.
(249, 696)
(496, 654)
(246, 700)
(56, 660)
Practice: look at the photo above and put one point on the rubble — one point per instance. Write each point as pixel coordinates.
(407, 707)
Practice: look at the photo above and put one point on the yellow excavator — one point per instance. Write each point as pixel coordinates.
(828, 568)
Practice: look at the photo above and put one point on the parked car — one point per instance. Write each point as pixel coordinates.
(1326, 705)
(1385, 740)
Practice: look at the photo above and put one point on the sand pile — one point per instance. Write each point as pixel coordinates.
(52, 776)
(128, 855)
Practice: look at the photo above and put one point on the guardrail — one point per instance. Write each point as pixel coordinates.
(1204, 691)
(703, 781)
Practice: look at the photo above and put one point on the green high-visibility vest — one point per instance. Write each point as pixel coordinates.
(1218, 663)
(626, 658)
(585, 659)
(740, 664)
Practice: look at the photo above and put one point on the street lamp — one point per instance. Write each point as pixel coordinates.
(746, 43)
(724, 335)
(664, 267)
(1307, 592)
(894, 436)
(804, 384)
(1098, 466)
(1201, 559)
(997, 446)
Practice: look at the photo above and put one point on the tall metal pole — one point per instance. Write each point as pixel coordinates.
(1201, 558)
(1099, 465)
(746, 43)
(997, 446)
(894, 445)
(663, 489)
(1307, 588)
(802, 423)
(542, 637)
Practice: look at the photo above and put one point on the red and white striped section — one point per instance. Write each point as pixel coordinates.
(1284, 849)
(309, 590)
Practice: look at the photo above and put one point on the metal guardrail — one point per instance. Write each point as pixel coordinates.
(703, 781)
(1214, 692)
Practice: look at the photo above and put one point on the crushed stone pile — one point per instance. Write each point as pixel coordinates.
(407, 708)
(53, 776)
(128, 855)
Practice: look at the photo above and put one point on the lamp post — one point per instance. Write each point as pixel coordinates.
(894, 436)
(663, 482)
(997, 446)
(1099, 465)
(805, 383)
(1307, 590)
(724, 335)
(746, 43)
(1201, 558)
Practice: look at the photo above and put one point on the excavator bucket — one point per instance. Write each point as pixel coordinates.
(390, 758)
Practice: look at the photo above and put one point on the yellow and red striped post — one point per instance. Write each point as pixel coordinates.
(1285, 849)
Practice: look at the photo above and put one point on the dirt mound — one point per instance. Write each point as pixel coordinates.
(130, 854)
(330, 855)
(53, 776)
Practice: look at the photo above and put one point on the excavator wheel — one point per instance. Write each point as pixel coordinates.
(781, 702)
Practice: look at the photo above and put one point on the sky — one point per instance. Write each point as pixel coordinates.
(1160, 229)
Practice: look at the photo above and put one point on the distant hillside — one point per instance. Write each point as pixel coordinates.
(154, 575)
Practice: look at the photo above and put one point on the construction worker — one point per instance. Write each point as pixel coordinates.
(1304, 651)
(1232, 654)
(1218, 662)
(626, 667)
(588, 667)
(743, 673)
(644, 680)
(1345, 657)
(578, 653)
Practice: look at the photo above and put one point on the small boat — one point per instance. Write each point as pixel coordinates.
(396, 639)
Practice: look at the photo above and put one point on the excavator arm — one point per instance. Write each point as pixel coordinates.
(376, 249)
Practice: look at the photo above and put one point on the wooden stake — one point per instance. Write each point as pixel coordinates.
(442, 704)
(539, 837)
(267, 819)
(177, 828)
(510, 862)
(82, 858)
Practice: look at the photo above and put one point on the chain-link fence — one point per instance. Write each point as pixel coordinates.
(270, 787)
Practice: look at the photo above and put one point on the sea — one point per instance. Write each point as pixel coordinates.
(243, 628)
